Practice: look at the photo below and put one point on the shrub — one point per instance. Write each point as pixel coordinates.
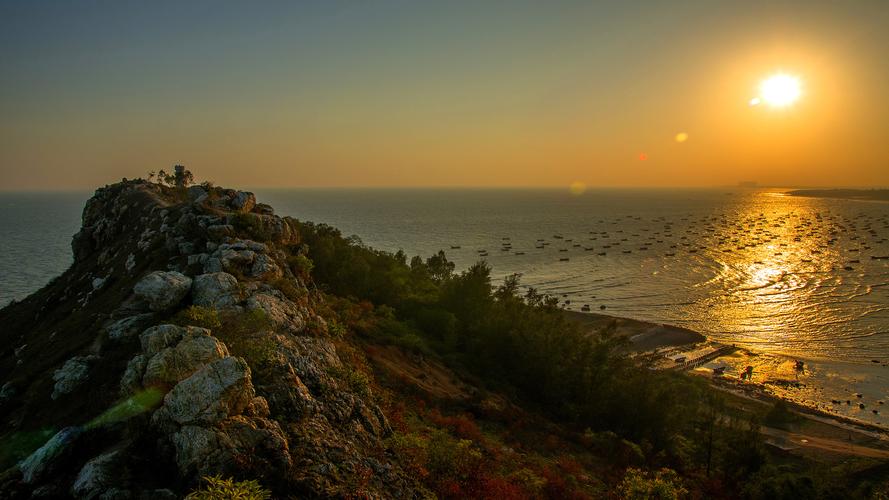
(248, 335)
(664, 484)
(355, 380)
(300, 265)
(203, 317)
(217, 488)
(289, 289)
(450, 458)
(252, 225)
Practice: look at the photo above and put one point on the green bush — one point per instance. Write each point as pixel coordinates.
(252, 225)
(201, 316)
(300, 265)
(355, 380)
(217, 488)
(664, 484)
(289, 289)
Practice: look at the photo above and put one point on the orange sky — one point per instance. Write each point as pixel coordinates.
(461, 95)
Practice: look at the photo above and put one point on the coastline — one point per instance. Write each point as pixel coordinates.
(643, 335)
(843, 194)
(648, 337)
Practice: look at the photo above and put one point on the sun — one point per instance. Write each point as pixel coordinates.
(780, 90)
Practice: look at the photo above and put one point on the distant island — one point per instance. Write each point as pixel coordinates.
(847, 194)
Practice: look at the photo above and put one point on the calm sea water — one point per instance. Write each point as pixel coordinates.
(780, 275)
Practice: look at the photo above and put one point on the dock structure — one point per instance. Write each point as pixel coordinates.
(690, 364)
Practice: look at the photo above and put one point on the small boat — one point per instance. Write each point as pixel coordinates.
(602, 253)
(669, 254)
(564, 259)
(455, 247)
(520, 253)
(585, 308)
(879, 257)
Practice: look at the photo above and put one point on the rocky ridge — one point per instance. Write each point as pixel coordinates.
(183, 342)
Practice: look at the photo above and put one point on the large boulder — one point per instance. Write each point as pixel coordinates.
(215, 392)
(158, 338)
(97, 476)
(216, 290)
(128, 327)
(235, 445)
(282, 312)
(43, 461)
(163, 289)
(176, 363)
(243, 201)
(73, 373)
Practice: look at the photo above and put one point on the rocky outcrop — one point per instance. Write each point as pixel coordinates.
(163, 289)
(74, 372)
(216, 290)
(43, 462)
(260, 393)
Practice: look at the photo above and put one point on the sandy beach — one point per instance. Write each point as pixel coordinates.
(643, 335)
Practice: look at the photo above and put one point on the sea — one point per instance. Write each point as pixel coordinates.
(785, 278)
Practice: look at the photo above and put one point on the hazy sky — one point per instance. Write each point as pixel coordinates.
(481, 93)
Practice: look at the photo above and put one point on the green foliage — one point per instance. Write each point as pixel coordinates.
(290, 289)
(204, 317)
(252, 225)
(355, 380)
(247, 335)
(217, 488)
(664, 484)
(300, 265)
(448, 457)
(781, 416)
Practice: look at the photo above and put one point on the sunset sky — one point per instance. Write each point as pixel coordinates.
(257, 94)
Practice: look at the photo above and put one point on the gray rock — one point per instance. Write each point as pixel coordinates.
(243, 201)
(128, 327)
(236, 444)
(163, 289)
(216, 290)
(186, 248)
(282, 312)
(215, 392)
(262, 208)
(195, 192)
(131, 380)
(160, 337)
(219, 231)
(188, 356)
(96, 477)
(212, 265)
(264, 267)
(73, 373)
(42, 461)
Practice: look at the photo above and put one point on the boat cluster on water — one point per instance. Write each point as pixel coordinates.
(804, 236)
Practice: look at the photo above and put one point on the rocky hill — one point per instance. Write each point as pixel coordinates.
(183, 342)
(199, 335)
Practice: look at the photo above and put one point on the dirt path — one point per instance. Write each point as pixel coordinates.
(793, 440)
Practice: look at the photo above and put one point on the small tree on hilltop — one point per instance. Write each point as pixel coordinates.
(180, 177)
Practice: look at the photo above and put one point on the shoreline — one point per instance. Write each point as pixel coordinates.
(648, 337)
(643, 335)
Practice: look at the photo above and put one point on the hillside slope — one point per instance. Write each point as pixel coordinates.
(136, 403)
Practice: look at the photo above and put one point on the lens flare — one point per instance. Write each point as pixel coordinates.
(577, 188)
(681, 137)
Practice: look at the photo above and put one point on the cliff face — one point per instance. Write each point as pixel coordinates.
(182, 342)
